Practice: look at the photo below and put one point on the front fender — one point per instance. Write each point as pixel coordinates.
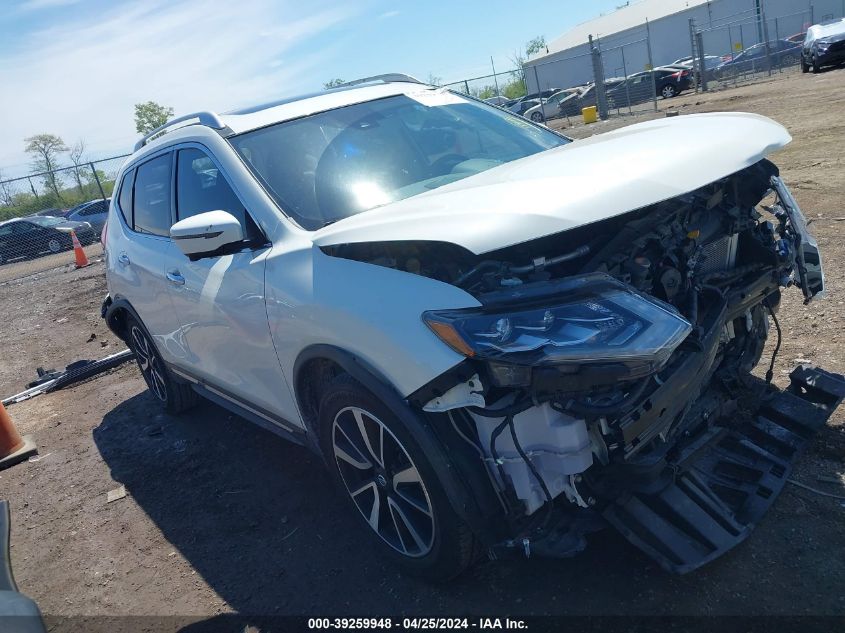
(372, 312)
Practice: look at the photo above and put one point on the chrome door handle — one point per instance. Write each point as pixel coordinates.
(174, 277)
(123, 258)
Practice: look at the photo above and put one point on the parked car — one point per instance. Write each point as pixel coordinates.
(753, 59)
(587, 97)
(711, 62)
(94, 212)
(538, 96)
(36, 235)
(639, 87)
(523, 105)
(798, 38)
(497, 100)
(53, 212)
(497, 339)
(551, 107)
(823, 46)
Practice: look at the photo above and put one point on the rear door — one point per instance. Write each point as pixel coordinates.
(220, 299)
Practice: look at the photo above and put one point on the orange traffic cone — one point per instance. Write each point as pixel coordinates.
(13, 448)
(81, 259)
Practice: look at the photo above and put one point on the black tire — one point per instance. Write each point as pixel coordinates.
(537, 117)
(442, 545)
(804, 67)
(174, 395)
(816, 67)
(668, 91)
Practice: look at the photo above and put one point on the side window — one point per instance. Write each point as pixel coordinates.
(200, 187)
(151, 206)
(124, 202)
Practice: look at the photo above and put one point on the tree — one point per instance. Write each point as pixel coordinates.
(536, 45)
(5, 195)
(76, 155)
(518, 58)
(434, 80)
(45, 150)
(150, 115)
(333, 83)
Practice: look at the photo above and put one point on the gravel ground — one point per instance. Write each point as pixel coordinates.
(222, 517)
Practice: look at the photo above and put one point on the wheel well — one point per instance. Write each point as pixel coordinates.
(311, 381)
(116, 322)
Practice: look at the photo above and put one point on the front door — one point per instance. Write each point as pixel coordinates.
(220, 299)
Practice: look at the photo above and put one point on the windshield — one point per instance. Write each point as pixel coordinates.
(334, 164)
(45, 220)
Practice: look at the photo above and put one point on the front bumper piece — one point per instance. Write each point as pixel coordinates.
(725, 482)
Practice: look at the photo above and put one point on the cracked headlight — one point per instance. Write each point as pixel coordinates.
(597, 320)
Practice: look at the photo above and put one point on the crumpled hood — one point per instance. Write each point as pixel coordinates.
(583, 182)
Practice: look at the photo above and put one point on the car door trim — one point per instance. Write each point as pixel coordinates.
(250, 412)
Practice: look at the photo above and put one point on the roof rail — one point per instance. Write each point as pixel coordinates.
(208, 119)
(386, 78)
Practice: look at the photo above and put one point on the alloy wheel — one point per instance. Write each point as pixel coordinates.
(668, 92)
(54, 245)
(149, 363)
(383, 482)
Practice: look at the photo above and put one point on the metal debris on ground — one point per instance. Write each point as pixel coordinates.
(80, 370)
(815, 490)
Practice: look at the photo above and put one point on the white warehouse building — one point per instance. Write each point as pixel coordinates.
(660, 30)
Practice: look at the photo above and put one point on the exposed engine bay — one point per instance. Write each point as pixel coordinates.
(609, 369)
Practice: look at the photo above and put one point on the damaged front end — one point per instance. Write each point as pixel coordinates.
(612, 376)
(607, 373)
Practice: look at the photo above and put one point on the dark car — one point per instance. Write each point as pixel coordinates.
(53, 212)
(824, 46)
(36, 235)
(753, 59)
(639, 87)
(525, 104)
(94, 212)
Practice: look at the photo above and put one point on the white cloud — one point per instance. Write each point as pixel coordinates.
(388, 14)
(81, 79)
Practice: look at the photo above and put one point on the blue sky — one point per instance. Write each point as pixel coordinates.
(76, 67)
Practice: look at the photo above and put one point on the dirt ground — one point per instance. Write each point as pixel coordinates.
(222, 517)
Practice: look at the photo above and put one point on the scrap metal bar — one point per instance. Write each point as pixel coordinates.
(68, 377)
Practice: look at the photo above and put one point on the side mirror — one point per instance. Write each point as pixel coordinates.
(205, 233)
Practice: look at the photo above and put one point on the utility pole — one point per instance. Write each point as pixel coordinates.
(495, 80)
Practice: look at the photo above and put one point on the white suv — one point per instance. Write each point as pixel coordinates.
(497, 338)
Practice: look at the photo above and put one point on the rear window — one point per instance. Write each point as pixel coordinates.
(151, 206)
(124, 202)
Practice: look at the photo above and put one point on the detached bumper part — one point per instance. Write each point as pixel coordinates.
(725, 482)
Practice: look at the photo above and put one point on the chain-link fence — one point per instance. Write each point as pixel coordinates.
(748, 46)
(497, 88)
(41, 213)
(645, 67)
